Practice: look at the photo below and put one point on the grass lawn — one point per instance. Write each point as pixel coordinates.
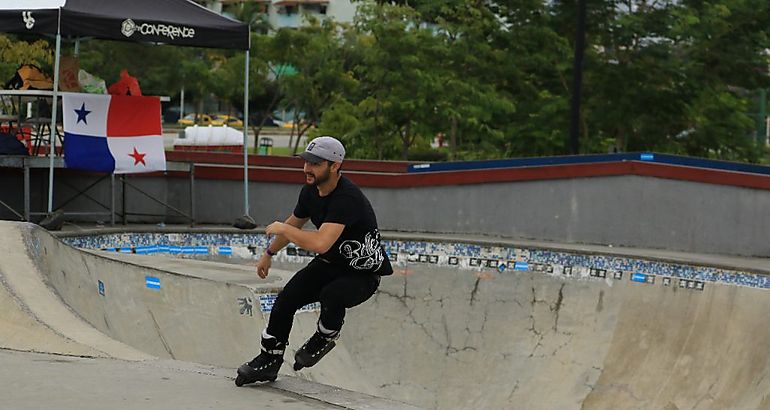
(282, 151)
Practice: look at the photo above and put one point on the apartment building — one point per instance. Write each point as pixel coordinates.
(294, 13)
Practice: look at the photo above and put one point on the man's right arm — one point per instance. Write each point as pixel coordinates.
(264, 263)
(280, 241)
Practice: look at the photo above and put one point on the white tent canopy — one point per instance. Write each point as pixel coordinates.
(33, 5)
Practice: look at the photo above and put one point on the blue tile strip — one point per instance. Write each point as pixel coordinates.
(506, 260)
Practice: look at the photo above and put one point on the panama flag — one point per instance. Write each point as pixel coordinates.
(112, 133)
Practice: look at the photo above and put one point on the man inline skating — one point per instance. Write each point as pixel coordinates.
(346, 272)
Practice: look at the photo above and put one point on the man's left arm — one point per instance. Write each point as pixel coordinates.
(318, 241)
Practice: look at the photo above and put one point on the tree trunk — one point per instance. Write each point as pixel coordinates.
(295, 126)
(407, 142)
(199, 113)
(300, 133)
(378, 131)
(453, 140)
(265, 114)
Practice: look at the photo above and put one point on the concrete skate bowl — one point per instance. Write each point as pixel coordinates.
(460, 325)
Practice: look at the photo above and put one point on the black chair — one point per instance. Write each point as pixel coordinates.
(37, 126)
(10, 121)
(9, 114)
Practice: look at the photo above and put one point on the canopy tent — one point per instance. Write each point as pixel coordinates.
(173, 22)
(176, 22)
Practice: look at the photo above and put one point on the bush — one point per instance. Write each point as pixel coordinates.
(428, 155)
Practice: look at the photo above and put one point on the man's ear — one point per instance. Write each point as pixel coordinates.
(336, 166)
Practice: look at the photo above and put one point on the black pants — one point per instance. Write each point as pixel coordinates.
(321, 282)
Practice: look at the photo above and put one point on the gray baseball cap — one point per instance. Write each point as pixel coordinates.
(324, 148)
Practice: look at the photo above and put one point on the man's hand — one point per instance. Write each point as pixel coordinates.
(263, 265)
(276, 228)
(317, 241)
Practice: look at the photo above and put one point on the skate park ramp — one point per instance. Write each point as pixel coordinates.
(458, 340)
(433, 336)
(62, 301)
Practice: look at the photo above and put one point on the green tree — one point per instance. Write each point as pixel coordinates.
(157, 67)
(673, 76)
(636, 86)
(399, 80)
(265, 93)
(252, 13)
(465, 70)
(535, 70)
(473, 108)
(322, 63)
(677, 76)
(15, 52)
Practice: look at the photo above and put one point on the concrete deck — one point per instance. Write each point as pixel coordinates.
(36, 380)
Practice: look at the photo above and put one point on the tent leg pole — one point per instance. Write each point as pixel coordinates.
(246, 138)
(54, 112)
(192, 194)
(26, 190)
(112, 199)
(123, 193)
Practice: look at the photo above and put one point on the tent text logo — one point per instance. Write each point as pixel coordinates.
(128, 29)
(29, 21)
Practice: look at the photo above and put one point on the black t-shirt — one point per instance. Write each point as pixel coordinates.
(358, 249)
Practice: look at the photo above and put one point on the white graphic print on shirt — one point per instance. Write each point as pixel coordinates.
(363, 256)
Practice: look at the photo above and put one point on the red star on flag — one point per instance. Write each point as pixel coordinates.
(138, 157)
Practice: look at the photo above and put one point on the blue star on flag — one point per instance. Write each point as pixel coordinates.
(82, 112)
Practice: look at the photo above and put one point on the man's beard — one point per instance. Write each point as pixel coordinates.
(320, 179)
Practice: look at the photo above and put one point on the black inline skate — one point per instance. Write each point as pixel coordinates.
(314, 349)
(263, 368)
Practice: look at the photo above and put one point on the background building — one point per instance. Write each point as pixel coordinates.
(292, 13)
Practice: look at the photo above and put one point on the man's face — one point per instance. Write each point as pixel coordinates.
(317, 174)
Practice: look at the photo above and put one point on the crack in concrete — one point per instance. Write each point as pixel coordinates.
(449, 347)
(708, 396)
(513, 391)
(475, 290)
(535, 300)
(400, 298)
(386, 385)
(557, 307)
(532, 327)
(410, 315)
(160, 335)
(484, 321)
(445, 325)
(600, 303)
(538, 344)
(533, 321)
(591, 386)
(566, 343)
(624, 388)
(453, 350)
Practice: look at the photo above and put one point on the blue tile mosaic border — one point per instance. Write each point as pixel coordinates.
(454, 255)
